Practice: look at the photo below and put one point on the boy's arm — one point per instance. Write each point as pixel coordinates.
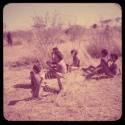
(78, 62)
(109, 62)
(60, 55)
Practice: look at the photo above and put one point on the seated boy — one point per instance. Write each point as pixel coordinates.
(75, 61)
(58, 59)
(35, 81)
(112, 67)
(103, 61)
(101, 68)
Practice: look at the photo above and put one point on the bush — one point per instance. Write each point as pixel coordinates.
(75, 32)
(101, 39)
(25, 61)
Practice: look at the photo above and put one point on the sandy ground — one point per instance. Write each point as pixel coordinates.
(84, 100)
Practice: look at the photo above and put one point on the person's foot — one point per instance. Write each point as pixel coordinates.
(36, 98)
(28, 99)
(84, 74)
(88, 77)
(57, 92)
(83, 69)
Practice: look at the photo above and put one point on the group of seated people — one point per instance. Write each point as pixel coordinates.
(55, 70)
(57, 67)
(107, 67)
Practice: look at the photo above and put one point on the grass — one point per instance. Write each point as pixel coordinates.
(80, 100)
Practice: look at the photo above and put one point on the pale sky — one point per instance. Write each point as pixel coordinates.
(18, 16)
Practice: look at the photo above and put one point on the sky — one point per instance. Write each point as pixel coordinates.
(18, 16)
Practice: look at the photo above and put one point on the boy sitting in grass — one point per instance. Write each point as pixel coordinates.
(35, 81)
(75, 61)
(102, 66)
(113, 68)
(108, 68)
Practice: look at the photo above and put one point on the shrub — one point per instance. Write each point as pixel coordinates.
(100, 39)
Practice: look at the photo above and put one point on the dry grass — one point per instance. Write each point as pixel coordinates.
(81, 99)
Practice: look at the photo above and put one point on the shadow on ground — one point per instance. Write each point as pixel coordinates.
(28, 86)
(14, 102)
(24, 86)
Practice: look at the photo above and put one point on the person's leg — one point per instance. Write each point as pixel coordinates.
(88, 71)
(36, 87)
(36, 93)
(90, 75)
(68, 67)
(107, 72)
(32, 83)
(99, 71)
(58, 76)
(90, 68)
(59, 83)
(74, 68)
(94, 72)
(63, 67)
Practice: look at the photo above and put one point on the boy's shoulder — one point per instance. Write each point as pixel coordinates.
(59, 52)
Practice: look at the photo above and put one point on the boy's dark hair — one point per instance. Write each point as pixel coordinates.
(37, 68)
(74, 51)
(104, 52)
(55, 49)
(114, 56)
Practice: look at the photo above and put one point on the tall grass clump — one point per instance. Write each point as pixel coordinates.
(88, 41)
(46, 36)
(104, 38)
